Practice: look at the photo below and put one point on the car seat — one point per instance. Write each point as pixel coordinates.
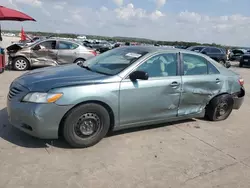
(171, 68)
(199, 70)
(157, 69)
(53, 45)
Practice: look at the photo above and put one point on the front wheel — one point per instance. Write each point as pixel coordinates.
(21, 64)
(219, 108)
(86, 125)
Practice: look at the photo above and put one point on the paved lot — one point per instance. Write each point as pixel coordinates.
(188, 154)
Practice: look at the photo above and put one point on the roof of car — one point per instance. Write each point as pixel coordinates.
(207, 47)
(153, 49)
(60, 39)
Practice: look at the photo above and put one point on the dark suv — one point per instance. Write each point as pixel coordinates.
(245, 59)
(218, 54)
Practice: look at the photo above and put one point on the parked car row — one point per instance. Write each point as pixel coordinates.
(100, 46)
(218, 54)
(56, 51)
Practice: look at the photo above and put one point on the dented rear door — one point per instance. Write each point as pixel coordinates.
(201, 81)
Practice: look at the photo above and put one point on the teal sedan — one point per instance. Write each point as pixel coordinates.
(122, 88)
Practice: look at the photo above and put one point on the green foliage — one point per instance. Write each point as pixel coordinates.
(120, 39)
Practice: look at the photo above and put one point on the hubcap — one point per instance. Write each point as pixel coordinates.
(80, 62)
(87, 125)
(222, 109)
(21, 64)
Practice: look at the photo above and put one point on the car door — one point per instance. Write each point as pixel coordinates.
(200, 82)
(42, 53)
(39, 53)
(52, 53)
(155, 99)
(67, 52)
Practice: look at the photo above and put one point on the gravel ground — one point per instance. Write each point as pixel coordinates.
(193, 153)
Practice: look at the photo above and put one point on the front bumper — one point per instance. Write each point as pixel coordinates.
(238, 99)
(38, 120)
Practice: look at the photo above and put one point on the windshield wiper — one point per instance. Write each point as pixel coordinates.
(86, 67)
(103, 73)
(83, 66)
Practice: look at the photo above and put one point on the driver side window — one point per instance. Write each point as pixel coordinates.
(162, 65)
(48, 45)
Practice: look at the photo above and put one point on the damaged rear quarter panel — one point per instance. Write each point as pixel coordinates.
(198, 90)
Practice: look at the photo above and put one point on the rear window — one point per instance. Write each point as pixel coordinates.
(215, 50)
(63, 45)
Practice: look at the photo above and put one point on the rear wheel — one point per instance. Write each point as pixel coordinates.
(21, 64)
(219, 108)
(240, 64)
(86, 125)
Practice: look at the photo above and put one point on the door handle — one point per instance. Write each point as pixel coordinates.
(217, 80)
(174, 84)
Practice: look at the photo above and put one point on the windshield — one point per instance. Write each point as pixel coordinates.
(33, 43)
(114, 61)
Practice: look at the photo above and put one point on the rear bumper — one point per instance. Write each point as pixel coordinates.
(238, 99)
(245, 61)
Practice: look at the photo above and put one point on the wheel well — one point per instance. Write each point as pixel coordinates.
(14, 58)
(225, 93)
(79, 59)
(106, 106)
(22, 57)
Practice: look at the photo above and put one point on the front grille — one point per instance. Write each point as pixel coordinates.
(13, 92)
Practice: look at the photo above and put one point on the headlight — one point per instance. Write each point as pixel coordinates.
(37, 97)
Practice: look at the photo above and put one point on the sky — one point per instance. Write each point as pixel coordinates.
(206, 21)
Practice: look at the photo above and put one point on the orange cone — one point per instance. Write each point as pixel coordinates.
(23, 35)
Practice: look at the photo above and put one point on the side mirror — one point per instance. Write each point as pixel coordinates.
(140, 75)
(36, 48)
(204, 53)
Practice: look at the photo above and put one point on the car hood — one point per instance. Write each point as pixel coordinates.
(45, 79)
(14, 48)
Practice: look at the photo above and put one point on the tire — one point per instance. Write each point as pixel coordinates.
(240, 64)
(1, 70)
(222, 62)
(80, 135)
(219, 108)
(79, 60)
(21, 64)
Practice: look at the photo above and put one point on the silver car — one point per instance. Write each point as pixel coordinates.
(122, 88)
(49, 52)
